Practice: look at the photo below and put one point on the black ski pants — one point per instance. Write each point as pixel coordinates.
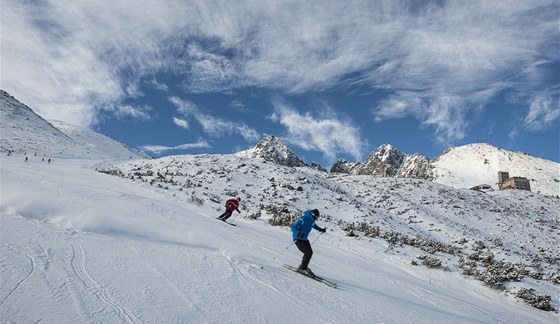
(226, 214)
(305, 247)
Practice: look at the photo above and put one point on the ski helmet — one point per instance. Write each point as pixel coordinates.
(315, 213)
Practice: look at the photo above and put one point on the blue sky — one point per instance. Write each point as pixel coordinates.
(333, 79)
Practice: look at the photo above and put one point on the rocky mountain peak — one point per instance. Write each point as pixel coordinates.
(387, 161)
(384, 161)
(273, 149)
(344, 166)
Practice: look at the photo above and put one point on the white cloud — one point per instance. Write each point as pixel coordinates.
(128, 111)
(236, 103)
(181, 123)
(446, 114)
(158, 149)
(399, 106)
(63, 59)
(326, 133)
(543, 112)
(68, 59)
(213, 126)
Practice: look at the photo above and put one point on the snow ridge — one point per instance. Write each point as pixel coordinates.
(25, 132)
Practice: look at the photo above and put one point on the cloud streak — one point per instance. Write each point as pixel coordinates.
(325, 132)
(181, 123)
(215, 127)
(447, 58)
(158, 149)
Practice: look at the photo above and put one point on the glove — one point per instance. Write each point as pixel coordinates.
(323, 230)
(300, 235)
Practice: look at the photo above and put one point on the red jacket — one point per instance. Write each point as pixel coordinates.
(232, 205)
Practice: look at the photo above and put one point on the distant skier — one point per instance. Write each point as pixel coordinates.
(231, 206)
(300, 231)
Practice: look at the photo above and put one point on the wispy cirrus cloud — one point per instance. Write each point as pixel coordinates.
(158, 149)
(128, 111)
(211, 125)
(543, 111)
(69, 59)
(447, 115)
(324, 132)
(181, 123)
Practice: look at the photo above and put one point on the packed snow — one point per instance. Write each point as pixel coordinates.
(79, 245)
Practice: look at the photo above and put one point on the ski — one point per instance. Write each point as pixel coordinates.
(232, 224)
(316, 278)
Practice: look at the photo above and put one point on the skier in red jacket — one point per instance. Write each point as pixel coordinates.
(231, 205)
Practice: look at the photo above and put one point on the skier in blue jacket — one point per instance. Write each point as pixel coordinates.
(300, 231)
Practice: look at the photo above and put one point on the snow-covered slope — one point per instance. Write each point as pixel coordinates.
(25, 132)
(474, 164)
(98, 145)
(83, 246)
(517, 230)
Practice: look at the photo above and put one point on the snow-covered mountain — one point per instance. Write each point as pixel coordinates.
(273, 149)
(460, 167)
(475, 164)
(25, 132)
(415, 166)
(97, 144)
(387, 161)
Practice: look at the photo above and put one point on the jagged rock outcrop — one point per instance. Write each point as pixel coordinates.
(273, 149)
(387, 161)
(415, 166)
(344, 166)
(317, 166)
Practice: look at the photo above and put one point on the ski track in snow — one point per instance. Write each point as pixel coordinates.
(175, 288)
(93, 288)
(26, 276)
(253, 280)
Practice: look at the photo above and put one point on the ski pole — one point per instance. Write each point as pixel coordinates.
(286, 249)
(279, 254)
(316, 238)
(234, 217)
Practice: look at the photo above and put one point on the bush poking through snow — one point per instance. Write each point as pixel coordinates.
(429, 261)
(468, 266)
(532, 299)
(281, 215)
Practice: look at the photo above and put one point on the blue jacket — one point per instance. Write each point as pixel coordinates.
(303, 225)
